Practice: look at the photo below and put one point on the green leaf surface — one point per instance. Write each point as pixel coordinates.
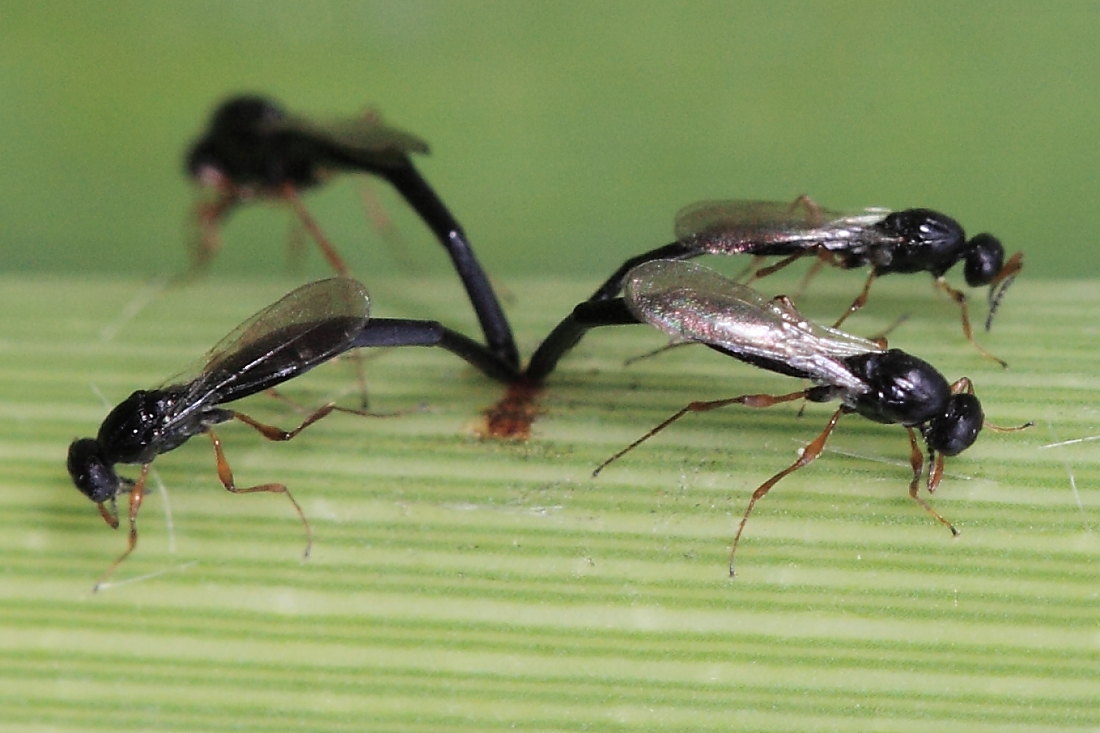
(467, 585)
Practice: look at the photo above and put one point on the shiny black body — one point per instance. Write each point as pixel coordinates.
(313, 324)
(252, 142)
(913, 240)
(922, 240)
(901, 389)
(303, 329)
(155, 421)
(252, 147)
(693, 304)
(886, 386)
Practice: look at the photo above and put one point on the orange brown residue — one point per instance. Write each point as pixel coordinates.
(511, 417)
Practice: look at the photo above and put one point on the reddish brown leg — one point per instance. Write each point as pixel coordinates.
(935, 472)
(1011, 269)
(813, 218)
(109, 513)
(960, 300)
(809, 453)
(813, 211)
(772, 269)
(749, 400)
(372, 204)
(963, 385)
(137, 495)
(750, 269)
(859, 302)
(880, 337)
(225, 473)
(208, 216)
(379, 218)
(272, 432)
(824, 257)
(276, 394)
(335, 261)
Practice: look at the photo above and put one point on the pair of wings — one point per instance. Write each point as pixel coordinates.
(690, 302)
(744, 226)
(367, 133)
(305, 328)
(364, 140)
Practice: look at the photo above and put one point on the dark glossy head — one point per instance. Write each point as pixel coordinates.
(956, 429)
(91, 472)
(984, 260)
(247, 114)
(227, 145)
(245, 144)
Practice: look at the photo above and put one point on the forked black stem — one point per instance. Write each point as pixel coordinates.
(408, 332)
(422, 198)
(587, 315)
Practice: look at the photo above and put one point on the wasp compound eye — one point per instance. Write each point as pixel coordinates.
(91, 473)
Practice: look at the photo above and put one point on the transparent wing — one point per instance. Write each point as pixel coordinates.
(296, 333)
(366, 137)
(772, 227)
(694, 303)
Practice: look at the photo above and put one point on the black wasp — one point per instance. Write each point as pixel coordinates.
(303, 329)
(252, 148)
(913, 240)
(692, 303)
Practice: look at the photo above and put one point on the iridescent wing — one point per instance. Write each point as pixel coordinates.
(296, 333)
(690, 302)
(771, 227)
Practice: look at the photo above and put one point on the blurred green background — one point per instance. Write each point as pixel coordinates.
(564, 135)
(488, 586)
